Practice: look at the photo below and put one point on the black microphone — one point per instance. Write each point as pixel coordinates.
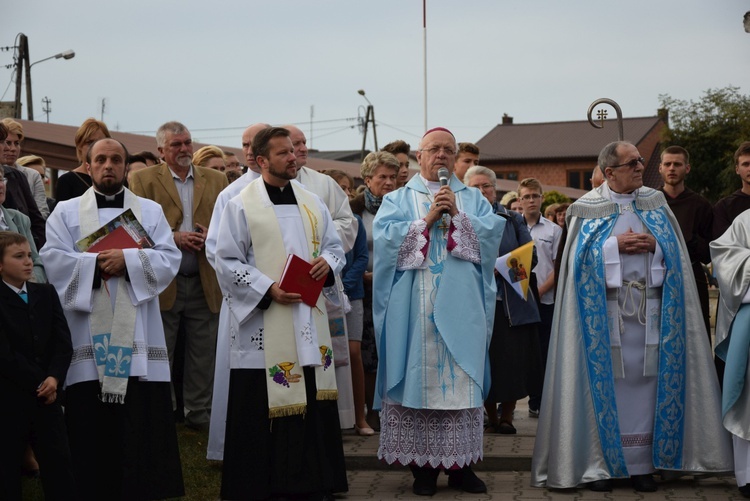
(443, 175)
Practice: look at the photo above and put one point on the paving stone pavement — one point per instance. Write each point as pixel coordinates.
(514, 485)
(505, 470)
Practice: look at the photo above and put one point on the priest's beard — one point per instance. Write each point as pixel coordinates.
(109, 187)
(287, 174)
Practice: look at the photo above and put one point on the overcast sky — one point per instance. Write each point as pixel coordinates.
(218, 66)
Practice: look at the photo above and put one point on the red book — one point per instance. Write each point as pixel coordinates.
(296, 278)
(117, 239)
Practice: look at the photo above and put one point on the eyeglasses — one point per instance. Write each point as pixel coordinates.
(632, 164)
(485, 186)
(437, 149)
(531, 196)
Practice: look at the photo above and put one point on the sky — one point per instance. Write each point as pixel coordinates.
(218, 66)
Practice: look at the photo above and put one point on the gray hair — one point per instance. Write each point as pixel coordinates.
(608, 156)
(173, 127)
(375, 159)
(478, 170)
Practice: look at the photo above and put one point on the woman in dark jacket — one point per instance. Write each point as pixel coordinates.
(515, 360)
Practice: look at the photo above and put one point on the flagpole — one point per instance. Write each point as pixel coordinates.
(424, 46)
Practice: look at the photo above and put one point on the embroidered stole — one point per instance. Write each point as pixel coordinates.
(285, 379)
(598, 326)
(112, 332)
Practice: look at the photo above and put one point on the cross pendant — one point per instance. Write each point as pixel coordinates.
(444, 225)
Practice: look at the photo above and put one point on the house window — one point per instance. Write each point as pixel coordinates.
(510, 176)
(579, 179)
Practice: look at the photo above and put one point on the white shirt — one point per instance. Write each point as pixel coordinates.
(546, 235)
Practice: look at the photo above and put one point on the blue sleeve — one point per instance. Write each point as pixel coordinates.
(356, 260)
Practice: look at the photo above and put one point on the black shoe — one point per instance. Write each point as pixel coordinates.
(745, 490)
(643, 483)
(466, 480)
(425, 480)
(321, 496)
(506, 428)
(604, 485)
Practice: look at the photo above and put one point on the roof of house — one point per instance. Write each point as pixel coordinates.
(55, 143)
(558, 140)
(340, 155)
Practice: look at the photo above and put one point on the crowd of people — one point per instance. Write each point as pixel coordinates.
(440, 308)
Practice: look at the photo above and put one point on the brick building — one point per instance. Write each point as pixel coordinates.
(564, 153)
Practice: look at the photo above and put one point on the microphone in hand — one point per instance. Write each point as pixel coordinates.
(443, 176)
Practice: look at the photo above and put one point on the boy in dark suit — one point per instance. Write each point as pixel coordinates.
(35, 352)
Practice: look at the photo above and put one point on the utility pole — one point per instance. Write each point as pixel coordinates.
(104, 104)
(27, 66)
(47, 108)
(22, 44)
(369, 117)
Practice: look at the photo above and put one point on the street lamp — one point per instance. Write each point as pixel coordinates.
(68, 54)
(746, 21)
(370, 117)
(24, 65)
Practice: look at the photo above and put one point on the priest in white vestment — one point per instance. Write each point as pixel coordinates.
(338, 205)
(730, 255)
(434, 294)
(630, 386)
(118, 407)
(282, 384)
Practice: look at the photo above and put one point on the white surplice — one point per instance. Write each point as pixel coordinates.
(245, 285)
(635, 393)
(343, 220)
(150, 271)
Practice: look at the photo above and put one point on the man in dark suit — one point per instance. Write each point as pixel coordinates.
(187, 194)
(35, 352)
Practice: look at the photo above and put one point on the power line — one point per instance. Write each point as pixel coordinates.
(400, 130)
(10, 82)
(243, 127)
(333, 130)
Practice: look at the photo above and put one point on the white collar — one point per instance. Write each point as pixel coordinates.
(16, 289)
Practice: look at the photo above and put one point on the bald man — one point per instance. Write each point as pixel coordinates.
(597, 177)
(326, 188)
(247, 149)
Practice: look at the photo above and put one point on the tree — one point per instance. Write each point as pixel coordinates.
(553, 197)
(710, 129)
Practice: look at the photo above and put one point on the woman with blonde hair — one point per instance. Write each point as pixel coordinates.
(210, 157)
(38, 164)
(76, 182)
